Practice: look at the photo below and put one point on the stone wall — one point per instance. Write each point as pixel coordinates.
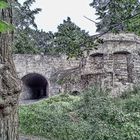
(114, 65)
(116, 62)
(47, 66)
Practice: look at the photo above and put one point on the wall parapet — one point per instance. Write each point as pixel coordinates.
(129, 37)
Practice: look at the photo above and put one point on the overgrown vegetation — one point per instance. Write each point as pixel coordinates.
(72, 40)
(94, 115)
(24, 20)
(4, 26)
(113, 16)
(69, 39)
(117, 15)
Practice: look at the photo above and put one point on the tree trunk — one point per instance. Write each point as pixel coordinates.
(9, 83)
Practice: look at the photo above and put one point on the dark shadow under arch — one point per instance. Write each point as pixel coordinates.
(75, 93)
(97, 55)
(36, 86)
(122, 52)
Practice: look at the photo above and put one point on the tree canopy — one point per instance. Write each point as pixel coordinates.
(71, 40)
(24, 17)
(117, 15)
(24, 20)
(113, 16)
(4, 26)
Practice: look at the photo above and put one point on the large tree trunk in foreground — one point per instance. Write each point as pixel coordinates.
(9, 83)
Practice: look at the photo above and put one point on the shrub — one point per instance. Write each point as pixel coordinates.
(92, 116)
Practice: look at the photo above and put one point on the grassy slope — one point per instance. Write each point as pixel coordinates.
(46, 117)
(89, 117)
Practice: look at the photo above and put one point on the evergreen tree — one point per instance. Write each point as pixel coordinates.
(117, 15)
(24, 16)
(71, 40)
(25, 22)
(44, 41)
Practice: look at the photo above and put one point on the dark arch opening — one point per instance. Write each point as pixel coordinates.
(36, 86)
(122, 52)
(75, 93)
(97, 55)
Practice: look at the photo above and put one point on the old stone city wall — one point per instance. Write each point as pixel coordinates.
(46, 66)
(114, 65)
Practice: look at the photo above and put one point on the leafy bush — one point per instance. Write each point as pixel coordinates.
(50, 118)
(92, 116)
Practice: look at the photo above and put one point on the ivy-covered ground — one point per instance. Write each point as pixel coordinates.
(91, 116)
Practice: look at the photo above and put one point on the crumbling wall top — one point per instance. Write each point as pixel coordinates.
(127, 37)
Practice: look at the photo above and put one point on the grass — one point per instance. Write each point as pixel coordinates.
(43, 118)
(91, 116)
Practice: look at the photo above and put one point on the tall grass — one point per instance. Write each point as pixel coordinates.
(92, 116)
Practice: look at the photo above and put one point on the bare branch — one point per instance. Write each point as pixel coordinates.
(90, 19)
(116, 25)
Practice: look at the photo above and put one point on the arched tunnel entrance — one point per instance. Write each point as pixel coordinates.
(35, 86)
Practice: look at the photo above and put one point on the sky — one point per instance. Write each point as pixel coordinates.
(55, 11)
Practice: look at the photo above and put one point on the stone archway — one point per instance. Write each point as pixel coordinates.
(35, 86)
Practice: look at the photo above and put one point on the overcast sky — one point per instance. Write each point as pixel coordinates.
(55, 11)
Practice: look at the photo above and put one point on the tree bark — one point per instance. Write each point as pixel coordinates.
(9, 83)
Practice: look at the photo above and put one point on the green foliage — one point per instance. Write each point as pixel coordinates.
(71, 40)
(45, 118)
(24, 17)
(24, 44)
(117, 15)
(24, 20)
(28, 39)
(112, 118)
(4, 26)
(3, 4)
(92, 116)
(44, 41)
